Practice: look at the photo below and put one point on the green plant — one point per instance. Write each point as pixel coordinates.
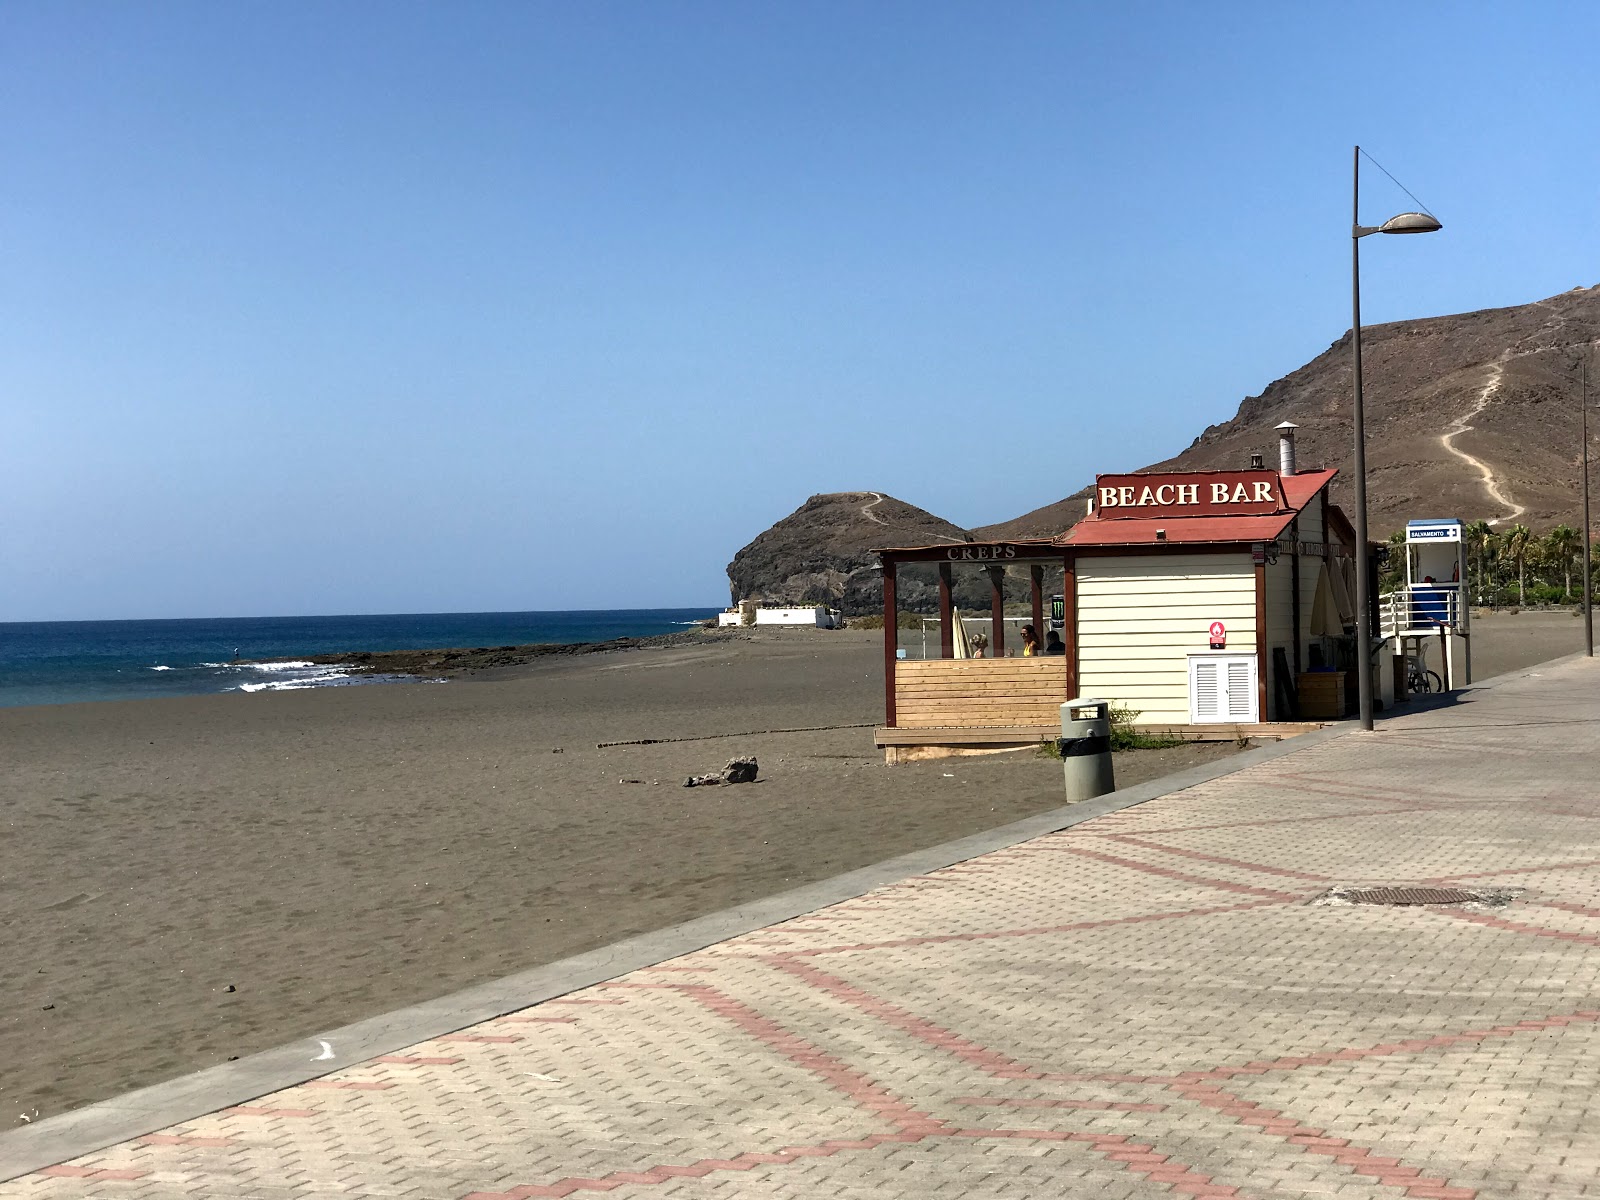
(1483, 545)
(1124, 735)
(1561, 546)
(1516, 547)
(1393, 573)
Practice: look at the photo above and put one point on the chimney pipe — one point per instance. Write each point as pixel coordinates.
(1286, 463)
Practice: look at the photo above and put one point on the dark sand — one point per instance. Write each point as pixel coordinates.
(334, 854)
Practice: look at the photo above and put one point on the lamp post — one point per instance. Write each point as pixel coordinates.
(1411, 222)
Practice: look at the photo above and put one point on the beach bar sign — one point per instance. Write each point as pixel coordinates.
(1188, 494)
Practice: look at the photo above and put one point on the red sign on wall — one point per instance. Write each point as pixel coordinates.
(1188, 494)
(1219, 636)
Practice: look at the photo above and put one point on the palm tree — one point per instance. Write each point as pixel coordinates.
(1393, 575)
(1514, 548)
(1480, 542)
(1561, 546)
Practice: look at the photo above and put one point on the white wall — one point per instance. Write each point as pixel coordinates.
(1140, 616)
(818, 616)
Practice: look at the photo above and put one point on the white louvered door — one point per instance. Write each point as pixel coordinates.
(1222, 689)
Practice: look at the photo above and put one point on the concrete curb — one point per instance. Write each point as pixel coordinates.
(146, 1110)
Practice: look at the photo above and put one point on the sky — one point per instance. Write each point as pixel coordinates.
(340, 307)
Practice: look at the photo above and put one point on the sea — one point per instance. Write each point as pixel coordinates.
(67, 662)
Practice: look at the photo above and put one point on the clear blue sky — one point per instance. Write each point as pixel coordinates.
(361, 307)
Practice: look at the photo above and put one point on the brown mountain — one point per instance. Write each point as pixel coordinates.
(1474, 415)
(822, 552)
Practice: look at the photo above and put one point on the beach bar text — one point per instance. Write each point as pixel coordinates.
(1197, 494)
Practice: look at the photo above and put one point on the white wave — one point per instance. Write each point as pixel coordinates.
(293, 684)
(278, 666)
(321, 678)
(161, 668)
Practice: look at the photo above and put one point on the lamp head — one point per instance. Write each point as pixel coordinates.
(1411, 222)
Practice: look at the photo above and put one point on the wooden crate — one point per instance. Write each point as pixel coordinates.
(1321, 695)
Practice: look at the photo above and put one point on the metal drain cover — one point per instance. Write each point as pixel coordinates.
(1399, 896)
(1409, 895)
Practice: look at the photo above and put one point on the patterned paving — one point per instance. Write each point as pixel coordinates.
(1149, 1004)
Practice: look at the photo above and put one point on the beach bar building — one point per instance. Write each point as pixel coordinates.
(1198, 600)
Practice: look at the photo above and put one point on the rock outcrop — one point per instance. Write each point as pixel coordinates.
(822, 552)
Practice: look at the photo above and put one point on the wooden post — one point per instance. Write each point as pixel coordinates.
(1328, 565)
(1037, 572)
(1262, 711)
(891, 640)
(1294, 583)
(1069, 622)
(997, 612)
(947, 629)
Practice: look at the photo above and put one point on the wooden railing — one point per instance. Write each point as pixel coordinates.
(978, 693)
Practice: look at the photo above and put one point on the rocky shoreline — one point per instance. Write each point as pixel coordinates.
(446, 662)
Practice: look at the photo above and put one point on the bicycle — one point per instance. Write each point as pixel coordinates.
(1419, 678)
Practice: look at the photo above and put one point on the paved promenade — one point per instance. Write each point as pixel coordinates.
(1151, 1003)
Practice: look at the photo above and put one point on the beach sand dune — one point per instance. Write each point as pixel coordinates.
(187, 880)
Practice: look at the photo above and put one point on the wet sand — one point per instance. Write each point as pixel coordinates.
(333, 854)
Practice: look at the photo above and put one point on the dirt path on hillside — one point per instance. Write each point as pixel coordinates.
(1462, 425)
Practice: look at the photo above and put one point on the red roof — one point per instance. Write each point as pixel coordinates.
(1298, 490)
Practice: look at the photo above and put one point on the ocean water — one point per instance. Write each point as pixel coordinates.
(64, 662)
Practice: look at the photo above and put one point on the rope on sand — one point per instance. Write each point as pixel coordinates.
(706, 737)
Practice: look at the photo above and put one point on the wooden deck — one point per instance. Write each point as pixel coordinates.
(903, 744)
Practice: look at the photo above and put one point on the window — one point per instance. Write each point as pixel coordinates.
(1222, 689)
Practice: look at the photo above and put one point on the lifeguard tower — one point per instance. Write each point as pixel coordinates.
(1431, 609)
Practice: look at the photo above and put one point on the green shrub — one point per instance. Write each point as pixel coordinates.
(903, 620)
(1123, 735)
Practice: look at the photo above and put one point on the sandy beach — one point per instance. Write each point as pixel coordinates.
(187, 880)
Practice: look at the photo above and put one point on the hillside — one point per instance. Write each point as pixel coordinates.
(1474, 415)
(822, 552)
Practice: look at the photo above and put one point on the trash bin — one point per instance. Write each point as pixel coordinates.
(1086, 748)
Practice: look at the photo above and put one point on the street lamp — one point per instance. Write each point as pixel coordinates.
(1411, 222)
